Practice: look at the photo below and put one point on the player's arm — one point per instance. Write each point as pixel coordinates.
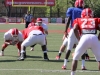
(45, 27)
(76, 31)
(69, 15)
(99, 31)
(98, 28)
(9, 42)
(6, 39)
(6, 42)
(68, 22)
(46, 32)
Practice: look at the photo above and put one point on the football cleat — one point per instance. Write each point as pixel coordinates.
(64, 67)
(57, 57)
(32, 49)
(22, 56)
(2, 53)
(46, 57)
(83, 68)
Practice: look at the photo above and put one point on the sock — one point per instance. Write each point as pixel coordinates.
(59, 53)
(65, 62)
(83, 63)
(72, 72)
(45, 51)
(22, 51)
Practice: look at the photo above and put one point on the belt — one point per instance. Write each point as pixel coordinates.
(37, 34)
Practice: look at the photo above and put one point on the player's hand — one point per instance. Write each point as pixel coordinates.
(66, 34)
(13, 43)
(8, 43)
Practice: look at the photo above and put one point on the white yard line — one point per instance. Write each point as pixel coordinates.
(45, 70)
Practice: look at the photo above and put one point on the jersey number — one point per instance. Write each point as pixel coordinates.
(85, 25)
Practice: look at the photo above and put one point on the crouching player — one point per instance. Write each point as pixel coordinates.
(87, 25)
(34, 35)
(39, 21)
(12, 37)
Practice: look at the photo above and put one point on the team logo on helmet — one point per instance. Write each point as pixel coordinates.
(87, 12)
(79, 3)
(14, 32)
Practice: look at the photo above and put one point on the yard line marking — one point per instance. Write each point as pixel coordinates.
(45, 70)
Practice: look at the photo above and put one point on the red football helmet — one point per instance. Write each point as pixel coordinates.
(39, 20)
(79, 3)
(87, 13)
(14, 32)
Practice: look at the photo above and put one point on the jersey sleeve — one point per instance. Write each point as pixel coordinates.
(21, 37)
(7, 36)
(45, 27)
(69, 12)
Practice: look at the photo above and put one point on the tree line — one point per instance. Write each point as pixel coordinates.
(58, 10)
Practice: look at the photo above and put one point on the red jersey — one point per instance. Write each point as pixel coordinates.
(31, 24)
(29, 29)
(87, 25)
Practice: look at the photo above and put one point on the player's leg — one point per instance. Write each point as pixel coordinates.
(3, 48)
(71, 42)
(79, 51)
(42, 42)
(87, 56)
(31, 40)
(96, 50)
(62, 48)
(19, 48)
(32, 47)
(83, 62)
(44, 52)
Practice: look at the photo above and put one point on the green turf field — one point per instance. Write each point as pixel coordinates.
(34, 63)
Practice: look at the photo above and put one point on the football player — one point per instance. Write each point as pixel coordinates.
(34, 35)
(39, 21)
(87, 26)
(12, 37)
(73, 13)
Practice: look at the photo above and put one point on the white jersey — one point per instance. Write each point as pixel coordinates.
(8, 36)
(45, 27)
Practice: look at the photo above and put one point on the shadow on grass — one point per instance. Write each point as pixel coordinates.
(53, 51)
(8, 60)
(28, 56)
(91, 60)
(93, 70)
(55, 60)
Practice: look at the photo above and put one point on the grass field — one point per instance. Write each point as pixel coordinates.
(34, 63)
